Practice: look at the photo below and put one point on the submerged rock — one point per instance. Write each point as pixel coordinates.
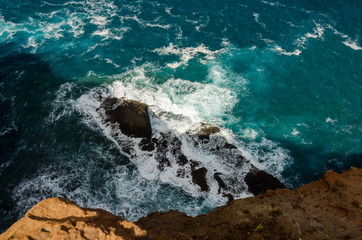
(330, 208)
(132, 116)
(260, 181)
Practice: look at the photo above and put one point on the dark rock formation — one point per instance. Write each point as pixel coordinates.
(229, 146)
(330, 208)
(132, 116)
(204, 131)
(133, 120)
(260, 181)
(199, 178)
(219, 180)
(182, 160)
(146, 145)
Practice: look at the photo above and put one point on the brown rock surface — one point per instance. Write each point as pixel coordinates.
(132, 116)
(330, 208)
(204, 131)
(59, 218)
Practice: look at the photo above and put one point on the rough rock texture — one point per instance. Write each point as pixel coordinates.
(259, 182)
(199, 178)
(59, 218)
(206, 131)
(203, 131)
(330, 208)
(132, 116)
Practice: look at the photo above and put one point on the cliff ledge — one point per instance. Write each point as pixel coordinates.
(330, 208)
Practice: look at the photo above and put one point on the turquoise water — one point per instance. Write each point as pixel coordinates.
(282, 80)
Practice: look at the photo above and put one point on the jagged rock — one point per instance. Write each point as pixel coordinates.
(133, 120)
(132, 116)
(330, 208)
(229, 146)
(146, 145)
(166, 144)
(315, 211)
(260, 181)
(199, 178)
(182, 160)
(204, 131)
(194, 164)
(221, 182)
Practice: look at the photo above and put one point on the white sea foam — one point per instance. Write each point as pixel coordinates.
(31, 44)
(192, 100)
(102, 33)
(63, 105)
(77, 25)
(168, 11)
(153, 24)
(167, 26)
(317, 33)
(257, 19)
(266, 40)
(276, 4)
(272, 161)
(114, 34)
(111, 62)
(301, 42)
(99, 20)
(225, 42)
(347, 39)
(59, 23)
(249, 133)
(280, 50)
(352, 44)
(330, 120)
(185, 54)
(295, 132)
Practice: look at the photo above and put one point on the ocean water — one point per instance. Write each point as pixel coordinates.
(281, 79)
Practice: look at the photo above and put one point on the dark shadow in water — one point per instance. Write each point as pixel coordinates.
(31, 142)
(310, 163)
(27, 85)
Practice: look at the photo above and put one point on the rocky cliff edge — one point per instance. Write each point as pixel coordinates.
(330, 208)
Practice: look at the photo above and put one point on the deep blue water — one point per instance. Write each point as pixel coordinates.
(283, 80)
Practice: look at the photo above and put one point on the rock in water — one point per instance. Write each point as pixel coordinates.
(260, 181)
(204, 131)
(132, 116)
(199, 178)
